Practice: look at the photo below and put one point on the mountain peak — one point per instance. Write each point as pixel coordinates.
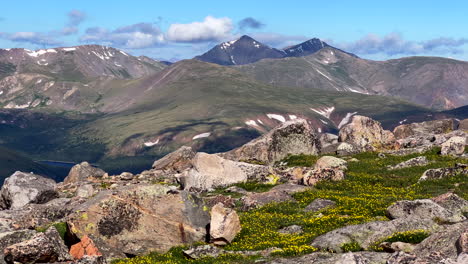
(305, 48)
(243, 50)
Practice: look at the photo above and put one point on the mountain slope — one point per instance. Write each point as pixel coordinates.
(433, 82)
(216, 107)
(74, 78)
(11, 161)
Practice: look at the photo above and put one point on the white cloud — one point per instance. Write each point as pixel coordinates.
(211, 29)
(136, 36)
(394, 44)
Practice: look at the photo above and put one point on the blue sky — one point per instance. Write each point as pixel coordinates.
(183, 29)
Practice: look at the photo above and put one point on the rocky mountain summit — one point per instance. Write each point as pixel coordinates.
(294, 195)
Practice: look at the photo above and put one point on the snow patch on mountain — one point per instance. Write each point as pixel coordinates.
(202, 135)
(325, 111)
(40, 52)
(151, 143)
(251, 123)
(12, 105)
(345, 120)
(356, 91)
(292, 117)
(323, 74)
(69, 49)
(277, 117)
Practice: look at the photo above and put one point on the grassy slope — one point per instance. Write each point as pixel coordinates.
(363, 196)
(206, 98)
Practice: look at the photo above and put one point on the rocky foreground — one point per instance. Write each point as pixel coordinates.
(196, 199)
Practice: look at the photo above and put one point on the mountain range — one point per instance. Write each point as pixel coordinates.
(103, 105)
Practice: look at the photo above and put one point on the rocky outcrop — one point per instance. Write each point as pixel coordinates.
(341, 258)
(22, 188)
(418, 161)
(346, 149)
(137, 219)
(35, 215)
(424, 209)
(224, 225)
(211, 170)
(47, 247)
(463, 125)
(367, 134)
(369, 233)
(441, 126)
(13, 237)
(462, 242)
(328, 143)
(443, 241)
(453, 203)
(326, 174)
(329, 162)
(176, 161)
(440, 173)
(454, 146)
(255, 200)
(81, 172)
(292, 229)
(292, 137)
(319, 204)
(85, 247)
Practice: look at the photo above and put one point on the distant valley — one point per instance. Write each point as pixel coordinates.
(103, 105)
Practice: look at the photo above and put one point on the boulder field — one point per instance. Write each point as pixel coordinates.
(94, 217)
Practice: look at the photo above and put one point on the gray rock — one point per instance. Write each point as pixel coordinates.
(255, 200)
(291, 138)
(443, 241)
(346, 149)
(140, 218)
(211, 170)
(176, 161)
(126, 176)
(367, 134)
(290, 188)
(13, 237)
(454, 146)
(418, 161)
(343, 258)
(224, 224)
(408, 151)
(463, 125)
(328, 143)
(317, 175)
(462, 243)
(453, 203)
(22, 188)
(319, 204)
(81, 172)
(43, 247)
(293, 229)
(329, 162)
(441, 126)
(440, 173)
(397, 246)
(369, 233)
(90, 260)
(85, 191)
(236, 190)
(203, 251)
(423, 209)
